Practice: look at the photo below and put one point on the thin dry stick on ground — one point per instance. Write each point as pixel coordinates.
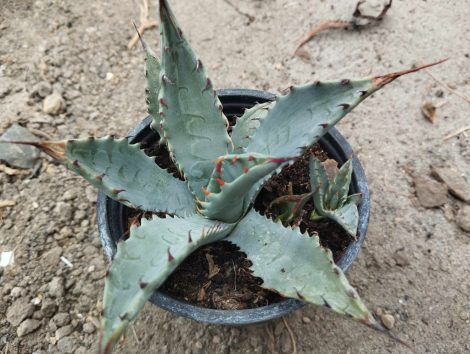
(291, 334)
(145, 23)
(456, 133)
(359, 20)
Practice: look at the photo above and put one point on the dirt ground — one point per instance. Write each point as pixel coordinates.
(415, 264)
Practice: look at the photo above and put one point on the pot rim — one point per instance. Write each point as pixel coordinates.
(335, 145)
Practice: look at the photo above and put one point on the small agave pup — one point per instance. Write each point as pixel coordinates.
(330, 198)
(222, 176)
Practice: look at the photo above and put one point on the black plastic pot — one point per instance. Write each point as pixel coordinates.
(111, 217)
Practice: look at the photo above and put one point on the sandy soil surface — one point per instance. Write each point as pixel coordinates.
(415, 264)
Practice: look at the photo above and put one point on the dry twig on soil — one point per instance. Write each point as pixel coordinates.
(359, 20)
(291, 334)
(457, 132)
(145, 23)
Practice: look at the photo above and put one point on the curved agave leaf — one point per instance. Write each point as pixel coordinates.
(297, 266)
(232, 178)
(306, 113)
(144, 261)
(331, 196)
(194, 126)
(247, 125)
(347, 216)
(338, 188)
(123, 172)
(152, 76)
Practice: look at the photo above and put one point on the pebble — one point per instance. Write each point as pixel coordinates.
(61, 319)
(48, 308)
(454, 180)
(91, 194)
(42, 89)
(430, 193)
(66, 345)
(88, 328)
(198, 345)
(54, 104)
(52, 257)
(80, 215)
(463, 218)
(388, 320)
(27, 327)
(16, 292)
(21, 156)
(400, 258)
(56, 287)
(63, 331)
(65, 232)
(306, 320)
(19, 310)
(69, 194)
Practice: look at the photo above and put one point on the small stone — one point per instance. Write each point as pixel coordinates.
(454, 180)
(80, 215)
(198, 345)
(21, 156)
(65, 232)
(63, 331)
(27, 327)
(463, 218)
(41, 90)
(88, 328)
(430, 193)
(69, 194)
(56, 287)
(90, 194)
(388, 320)
(66, 345)
(19, 310)
(48, 308)
(16, 292)
(306, 320)
(400, 258)
(61, 319)
(54, 104)
(216, 340)
(52, 257)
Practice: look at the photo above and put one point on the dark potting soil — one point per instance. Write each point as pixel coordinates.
(218, 275)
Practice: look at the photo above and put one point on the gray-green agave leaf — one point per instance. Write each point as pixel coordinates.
(144, 261)
(247, 125)
(302, 116)
(194, 127)
(233, 177)
(152, 77)
(330, 197)
(123, 172)
(297, 266)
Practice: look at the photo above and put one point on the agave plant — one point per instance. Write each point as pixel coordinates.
(330, 198)
(222, 176)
